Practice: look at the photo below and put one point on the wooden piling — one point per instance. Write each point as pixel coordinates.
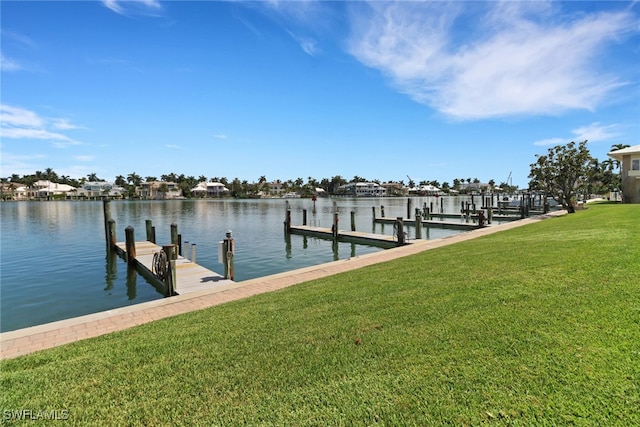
(149, 227)
(174, 233)
(418, 225)
(304, 217)
(408, 207)
(373, 213)
(130, 244)
(112, 233)
(170, 281)
(287, 222)
(106, 208)
(335, 225)
(228, 252)
(193, 253)
(381, 211)
(353, 221)
(400, 230)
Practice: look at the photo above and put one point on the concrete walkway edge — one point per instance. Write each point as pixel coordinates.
(49, 335)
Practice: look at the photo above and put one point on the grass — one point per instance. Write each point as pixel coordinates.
(536, 325)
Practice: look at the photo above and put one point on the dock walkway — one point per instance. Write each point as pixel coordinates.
(451, 225)
(190, 277)
(346, 236)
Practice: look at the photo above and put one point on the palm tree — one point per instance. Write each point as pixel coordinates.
(50, 175)
(134, 178)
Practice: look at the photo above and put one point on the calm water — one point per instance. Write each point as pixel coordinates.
(54, 264)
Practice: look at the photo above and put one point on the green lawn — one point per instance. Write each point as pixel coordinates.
(536, 325)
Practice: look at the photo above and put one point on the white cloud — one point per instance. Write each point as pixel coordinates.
(220, 136)
(65, 124)
(16, 116)
(595, 132)
(125, 7)
(9, 65)
(510, 58)
(177, 147)
(19, 123)
(550, 141)
(28, 133)
(308, 45)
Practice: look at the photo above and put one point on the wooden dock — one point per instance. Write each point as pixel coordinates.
(360, 237)
(451, 225)
(190, 277)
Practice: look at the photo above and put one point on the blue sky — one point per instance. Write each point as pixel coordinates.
(288, 89)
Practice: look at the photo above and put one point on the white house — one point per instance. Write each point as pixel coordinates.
(46, 188)
(363, 189)
(629, 159)
(210, 189)
(97, 189)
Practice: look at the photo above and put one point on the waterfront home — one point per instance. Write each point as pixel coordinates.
(363, 189)
(394, 189)
(474, 187)
(210, 189)
(44, 189)
(277, 188)
(159, 190)
(99, 189)
(425, 190)
(629, 159)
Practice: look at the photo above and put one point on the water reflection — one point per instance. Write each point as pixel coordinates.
(132, 277)
(111, 269)
(287, 246)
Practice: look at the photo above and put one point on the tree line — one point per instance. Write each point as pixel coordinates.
(236, 186)
(562, 172)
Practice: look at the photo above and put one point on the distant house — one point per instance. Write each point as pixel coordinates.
(629, 159)
(473, 187)
(44, 189)
(210, 189)
(425, 190)
(394, 189)
(363, 189)
(98, 189)
(159, 190)
(276, 188)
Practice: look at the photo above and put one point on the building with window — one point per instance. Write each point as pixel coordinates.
(159, 190)
(99, 189)
(629, 159)
(45, 189)
(363, 189)
(210, 189)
